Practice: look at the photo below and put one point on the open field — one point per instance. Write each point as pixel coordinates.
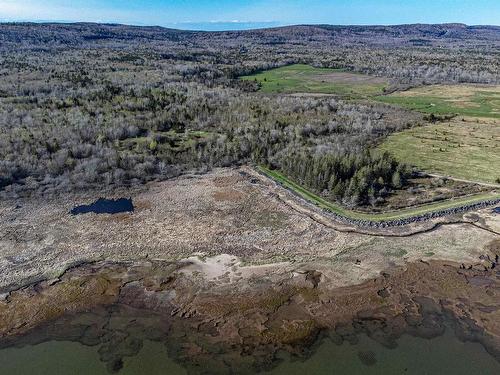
(387, 216)
(467, 100)
(468, 149)
(301, 78)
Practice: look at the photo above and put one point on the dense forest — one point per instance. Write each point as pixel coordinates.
(100, 106)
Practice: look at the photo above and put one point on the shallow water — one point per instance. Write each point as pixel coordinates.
(441, 355)
(71, 358)
(496, 210)
(105, 206)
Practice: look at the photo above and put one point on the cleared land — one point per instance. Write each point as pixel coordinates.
(467, 149)
(395, 215)
(467, 100)
(299, 78)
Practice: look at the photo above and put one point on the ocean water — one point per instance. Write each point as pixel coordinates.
(441, 355)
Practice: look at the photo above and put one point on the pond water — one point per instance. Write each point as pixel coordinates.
(441, 355)
(105, 206)
(496, 210)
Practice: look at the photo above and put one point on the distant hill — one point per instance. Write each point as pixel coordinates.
(450, 35)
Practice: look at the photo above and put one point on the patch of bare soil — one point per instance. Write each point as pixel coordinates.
(229, 195)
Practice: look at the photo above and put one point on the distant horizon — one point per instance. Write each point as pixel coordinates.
(243, 26)
(227, 15)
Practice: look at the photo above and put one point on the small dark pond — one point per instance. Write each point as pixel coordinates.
(105, 206)
(496, 210)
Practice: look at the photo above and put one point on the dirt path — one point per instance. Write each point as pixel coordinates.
(397, 218)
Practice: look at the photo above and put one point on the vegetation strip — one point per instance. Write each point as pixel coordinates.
(397, 218)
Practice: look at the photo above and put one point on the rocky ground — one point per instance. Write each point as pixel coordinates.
(228, 262)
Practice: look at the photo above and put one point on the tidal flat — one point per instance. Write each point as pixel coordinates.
(280, 286)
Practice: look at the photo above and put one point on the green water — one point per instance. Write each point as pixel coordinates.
(70, 358)
(442, 355)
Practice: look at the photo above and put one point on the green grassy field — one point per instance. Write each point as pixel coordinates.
(463, 149)
(466, 100)
(301, 78)
(387, 216)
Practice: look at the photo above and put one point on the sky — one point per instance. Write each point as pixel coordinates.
(244, 14)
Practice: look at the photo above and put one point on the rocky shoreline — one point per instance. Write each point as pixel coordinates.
(249, 320)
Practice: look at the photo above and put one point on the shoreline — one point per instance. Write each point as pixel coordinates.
(278, 310)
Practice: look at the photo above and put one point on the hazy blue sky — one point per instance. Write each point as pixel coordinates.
(223, 14)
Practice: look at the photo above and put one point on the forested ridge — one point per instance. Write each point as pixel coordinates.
(100, 106)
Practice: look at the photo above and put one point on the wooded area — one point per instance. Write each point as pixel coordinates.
(100, 106)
